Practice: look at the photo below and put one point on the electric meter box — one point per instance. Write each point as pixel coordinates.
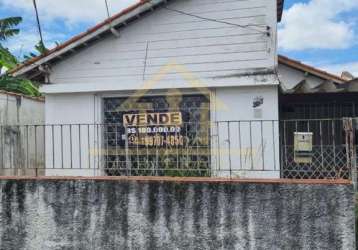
(303, 145)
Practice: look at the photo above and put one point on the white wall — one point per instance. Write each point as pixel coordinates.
(215, 52)
(248, 145)
(72, 137)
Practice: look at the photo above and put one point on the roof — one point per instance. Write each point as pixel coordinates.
(140, 7)
(309, 69)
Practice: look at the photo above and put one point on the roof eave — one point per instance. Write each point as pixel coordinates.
(309, 69)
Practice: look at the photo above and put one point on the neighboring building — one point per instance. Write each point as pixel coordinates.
(315, 101)
(17, 148)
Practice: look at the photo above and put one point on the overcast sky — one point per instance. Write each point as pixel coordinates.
(319, 32)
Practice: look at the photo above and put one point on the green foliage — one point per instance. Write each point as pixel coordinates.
(40, 50)
(7, 59)
(18, 85)
(7, 27)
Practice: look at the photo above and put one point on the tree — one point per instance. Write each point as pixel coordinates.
(40, 50)
(8, 27)
(9, 61)
(18, 85)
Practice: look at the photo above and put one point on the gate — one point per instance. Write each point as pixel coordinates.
(333, 154)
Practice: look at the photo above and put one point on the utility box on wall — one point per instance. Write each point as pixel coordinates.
(303, 147)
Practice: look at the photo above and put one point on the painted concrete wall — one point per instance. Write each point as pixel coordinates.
(89, 214)
(18, 149)
(169, 45)
(248, 155)
(249, 143)
(17, 109)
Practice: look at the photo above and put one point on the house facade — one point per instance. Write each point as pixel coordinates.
(165, 85)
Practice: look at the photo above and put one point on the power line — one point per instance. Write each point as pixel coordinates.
(107, 8)
(247, 26)
(38, 22)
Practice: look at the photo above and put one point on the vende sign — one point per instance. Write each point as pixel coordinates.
(153, 119)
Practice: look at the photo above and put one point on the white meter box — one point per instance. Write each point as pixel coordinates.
(303, 145)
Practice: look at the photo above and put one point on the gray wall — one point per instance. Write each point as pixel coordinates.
(17, 143)
(17, 109)
(95, 214)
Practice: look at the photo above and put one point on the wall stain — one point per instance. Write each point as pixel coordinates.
(165, 215)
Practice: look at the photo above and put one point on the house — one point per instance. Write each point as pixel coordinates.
(312, 100)
(170, 85)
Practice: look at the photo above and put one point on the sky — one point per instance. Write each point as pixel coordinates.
(322, 33)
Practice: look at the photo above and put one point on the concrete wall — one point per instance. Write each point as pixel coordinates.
(16, 109)
(18, 149)
(124, 214)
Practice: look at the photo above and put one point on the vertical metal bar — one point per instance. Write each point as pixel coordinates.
(156, 156)
(19, 156)
(262, 146)
(240, 145)
(251, 152)
(128, 162)
(198, 159)
(219, 149)
(137, 150)
(94, 150)
(354, 157)
(229, 145)
(10, 154)
(105, 128)
(53, 147)
(61, 127)
(35, 149)
(27, 146)
(44, 142)
(117, 165)
(147, 154)
(79, 145)
(176, 143)
(334, 142)
(208, 148)
(71, 158)
(321, 142)
(88, 146)
(98, 147)
(285, 142)
(187, 145)
(274, 145)
(2, 147)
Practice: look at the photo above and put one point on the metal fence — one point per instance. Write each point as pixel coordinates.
(245, 149)
(329, 159)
